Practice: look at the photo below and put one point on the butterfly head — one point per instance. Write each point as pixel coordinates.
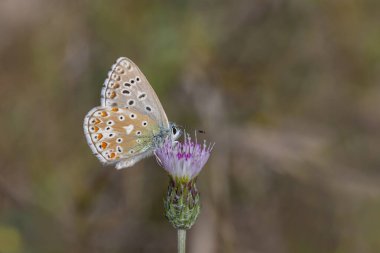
(175, 131)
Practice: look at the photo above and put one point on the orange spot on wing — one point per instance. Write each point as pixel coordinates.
(113, 95)
(115, 109)
(100, 136)
(97, 121)
(104, 145)
(104, 114)
(112, 155)
(96, 129)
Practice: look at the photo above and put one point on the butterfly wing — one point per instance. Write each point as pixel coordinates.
(123, 128)
(127, 87)
(120, 135)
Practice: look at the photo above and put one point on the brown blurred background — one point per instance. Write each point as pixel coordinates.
(288, 90)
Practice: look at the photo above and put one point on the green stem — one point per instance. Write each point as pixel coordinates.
(181, 241)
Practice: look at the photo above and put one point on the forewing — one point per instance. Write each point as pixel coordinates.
(120, 134)
(127, 87)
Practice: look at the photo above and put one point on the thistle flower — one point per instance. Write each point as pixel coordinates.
(183, 161)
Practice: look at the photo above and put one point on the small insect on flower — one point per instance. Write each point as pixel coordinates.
(183, 161)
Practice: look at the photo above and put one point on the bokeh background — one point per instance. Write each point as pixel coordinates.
(287, 89)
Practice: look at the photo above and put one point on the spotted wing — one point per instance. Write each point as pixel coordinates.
(127, 87)
(120, 135)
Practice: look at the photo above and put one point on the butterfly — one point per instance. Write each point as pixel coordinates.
(130, 122)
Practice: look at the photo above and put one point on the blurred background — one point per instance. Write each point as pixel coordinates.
(288, 90)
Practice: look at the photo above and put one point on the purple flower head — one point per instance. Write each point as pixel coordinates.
(183, 160)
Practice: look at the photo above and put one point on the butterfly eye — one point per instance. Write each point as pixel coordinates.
(111, 135)
(132, 116)
(119, 140)
(138, 79)
(138, 133)
(148, 108)
(132, 81)
(174, 130)
(121, 117)
(110, 122)
(144, 123)
(127, 85)
(108, 128)
(119, 149)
